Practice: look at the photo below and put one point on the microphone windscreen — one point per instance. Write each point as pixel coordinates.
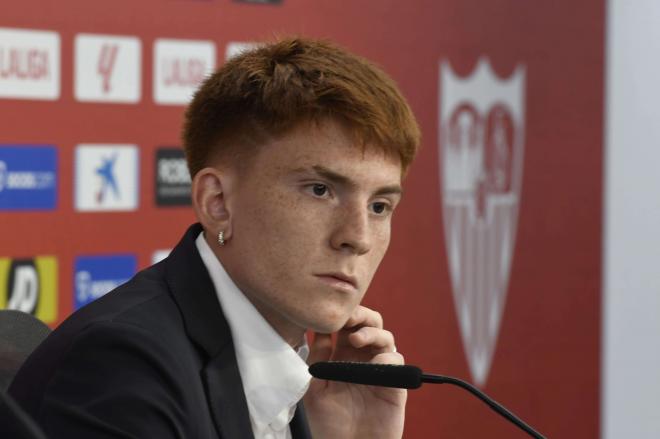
(386, 375)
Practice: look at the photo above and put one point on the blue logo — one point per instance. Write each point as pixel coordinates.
(97, 275)
(28, 177)
(107, 173)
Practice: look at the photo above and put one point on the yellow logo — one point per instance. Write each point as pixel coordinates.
(30, 285)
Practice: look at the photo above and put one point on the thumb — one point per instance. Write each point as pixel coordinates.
(320, 349)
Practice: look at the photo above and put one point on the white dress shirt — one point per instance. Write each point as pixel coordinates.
(274, 375)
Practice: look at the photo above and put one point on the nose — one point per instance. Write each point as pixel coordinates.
(351, 233)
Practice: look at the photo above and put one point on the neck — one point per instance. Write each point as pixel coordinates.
(292, 334)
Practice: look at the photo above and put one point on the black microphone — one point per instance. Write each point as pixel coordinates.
(372, 374)
(404, 377)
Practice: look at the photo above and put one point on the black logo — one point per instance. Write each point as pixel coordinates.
(172, 178)
(23, 286)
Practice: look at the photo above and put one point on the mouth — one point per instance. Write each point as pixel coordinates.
(339, 280)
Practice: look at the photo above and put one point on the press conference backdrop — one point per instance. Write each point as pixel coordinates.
(500, 247)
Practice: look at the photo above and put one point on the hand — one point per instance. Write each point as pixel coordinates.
(342, 410)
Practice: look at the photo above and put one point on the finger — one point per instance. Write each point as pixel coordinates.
(320, 349)
(363, 316)
(388, 358)
(378, 340)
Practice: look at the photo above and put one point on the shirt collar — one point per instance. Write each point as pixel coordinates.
(274, 375)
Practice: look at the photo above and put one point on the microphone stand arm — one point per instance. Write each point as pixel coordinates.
(440, 379)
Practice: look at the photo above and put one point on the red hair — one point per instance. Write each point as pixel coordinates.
(270, 90)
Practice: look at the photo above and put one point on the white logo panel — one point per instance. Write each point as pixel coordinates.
(179, 68)
(481, 153)
(108, 68)
(29, 64)
(106, 177)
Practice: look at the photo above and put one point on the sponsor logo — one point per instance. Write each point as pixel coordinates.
(30, 285)
(172, 178)
(28, 177)
(236, 48)
(107, 68)
(481, 157)
(95, 276)
(29, 64)
(159, 255)
(106, 65)
(106, 177)
(179, 68)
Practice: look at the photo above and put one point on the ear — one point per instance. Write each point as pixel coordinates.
(211, 190)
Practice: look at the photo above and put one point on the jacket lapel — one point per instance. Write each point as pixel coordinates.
(207, 327)
(224, 389)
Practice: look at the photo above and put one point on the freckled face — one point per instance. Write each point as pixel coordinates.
(310, 224)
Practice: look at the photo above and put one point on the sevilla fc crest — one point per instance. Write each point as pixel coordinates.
(481, 157)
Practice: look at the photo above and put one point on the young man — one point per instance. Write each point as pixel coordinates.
(297, 151)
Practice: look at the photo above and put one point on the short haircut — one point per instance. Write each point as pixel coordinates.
(272, 89)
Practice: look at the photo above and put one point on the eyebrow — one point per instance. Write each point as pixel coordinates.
(340, 179)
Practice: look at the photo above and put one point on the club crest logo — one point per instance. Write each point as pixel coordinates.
(481, 160)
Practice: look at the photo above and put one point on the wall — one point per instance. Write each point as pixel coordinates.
(631, 358)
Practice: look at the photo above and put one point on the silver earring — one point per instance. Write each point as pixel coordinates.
(221, 238)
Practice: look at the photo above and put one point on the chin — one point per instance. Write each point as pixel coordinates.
(327, 324)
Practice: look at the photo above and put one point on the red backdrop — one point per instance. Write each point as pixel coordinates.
(546, 362)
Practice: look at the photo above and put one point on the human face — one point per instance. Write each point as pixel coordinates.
(310, 222)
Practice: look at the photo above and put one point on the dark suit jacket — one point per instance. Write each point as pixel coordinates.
(14, 423)
(152, 359)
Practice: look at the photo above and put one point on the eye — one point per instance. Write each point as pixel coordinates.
(380, 207)
(319, 189)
